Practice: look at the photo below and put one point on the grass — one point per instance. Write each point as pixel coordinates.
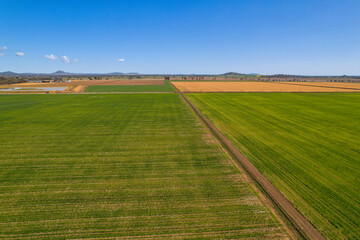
(132, 88)
(119, 166)
(306, 144)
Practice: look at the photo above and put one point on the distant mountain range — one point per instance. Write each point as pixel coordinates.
(62, 73)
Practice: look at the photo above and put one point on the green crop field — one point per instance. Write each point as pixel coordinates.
(119, 166)
(131, 88)
(307, 145)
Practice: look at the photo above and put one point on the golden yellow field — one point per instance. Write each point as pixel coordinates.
(328, 84)
(257, 87)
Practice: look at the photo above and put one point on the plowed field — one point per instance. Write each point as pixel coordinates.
(354, 86)
(253, 87)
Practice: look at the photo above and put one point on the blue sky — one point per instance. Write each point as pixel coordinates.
(309, 37)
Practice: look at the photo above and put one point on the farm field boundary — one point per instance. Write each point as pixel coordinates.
(296, 218)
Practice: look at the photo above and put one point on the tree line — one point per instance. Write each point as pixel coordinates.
(11, 80)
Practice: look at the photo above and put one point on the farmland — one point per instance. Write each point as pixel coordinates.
(165, 87)
(306, 144)
(354, 86)
(95, 83)
(119, 166)
(79, 86)
(262, 87)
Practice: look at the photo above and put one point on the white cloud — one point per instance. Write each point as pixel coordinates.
(19, 54)
(65, 59)
(51, 57)
(121, 60)
(1, 54)
(76, 60)
(3, 48)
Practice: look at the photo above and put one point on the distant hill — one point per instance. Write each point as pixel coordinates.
(116, 73)
(120, 73)
(8, 73)
(239, 74)
(60, 72)
(232, 73)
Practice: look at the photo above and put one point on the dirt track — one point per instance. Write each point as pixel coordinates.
(295, 217)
